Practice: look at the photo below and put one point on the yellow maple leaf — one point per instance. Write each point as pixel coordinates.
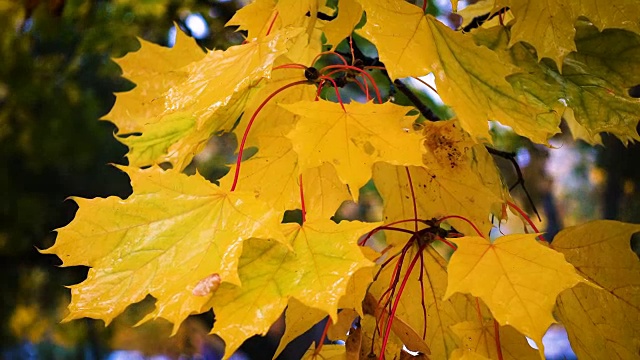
(174, 231)
(480, 338)
(402, 37)
(340, 329)
(440, 314)
(516, 277)
(154, 70)
(459, 354)
(437, 194)
(469, 78)
(370, 343)
(327, 352)
(353, 139)
(293, 11)
(273, 121)
(272, 173)
(256, 18)
(271, 274)
(298, 319)
(349, 15)
(209, 97)
(602, 323)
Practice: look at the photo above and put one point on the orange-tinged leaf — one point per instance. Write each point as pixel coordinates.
(402, 36)
(174, 231)
(352, 140)
(349, 14)
(325, 255)
(515, 276)
(602, 323)
(209, 97)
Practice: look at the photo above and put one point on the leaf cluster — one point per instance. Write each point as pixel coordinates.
(440, 285)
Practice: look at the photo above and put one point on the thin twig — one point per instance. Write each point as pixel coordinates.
(512, 158)
(424, 109)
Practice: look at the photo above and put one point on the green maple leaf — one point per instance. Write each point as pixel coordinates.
(174, 231)
(549, 25)
(594, 82)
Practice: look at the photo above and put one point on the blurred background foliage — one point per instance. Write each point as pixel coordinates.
(57, 79)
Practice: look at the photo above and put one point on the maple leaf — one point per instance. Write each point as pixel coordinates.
(440, 314)
(515, 276)
(469, 78)
(599, 99)
(340, 330)
(298, 318)
(327, 352)
(174, 231)
(208, 98)
(353, 139)
(272, 173)
(459, 354)
(153, 69)
(478, 336)
(325, 255)
(349, 15)
(437, 193)
(549, 26)
(602, 323)
(405, 333)
(402, 37)
(369, 347)
(256, 18)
